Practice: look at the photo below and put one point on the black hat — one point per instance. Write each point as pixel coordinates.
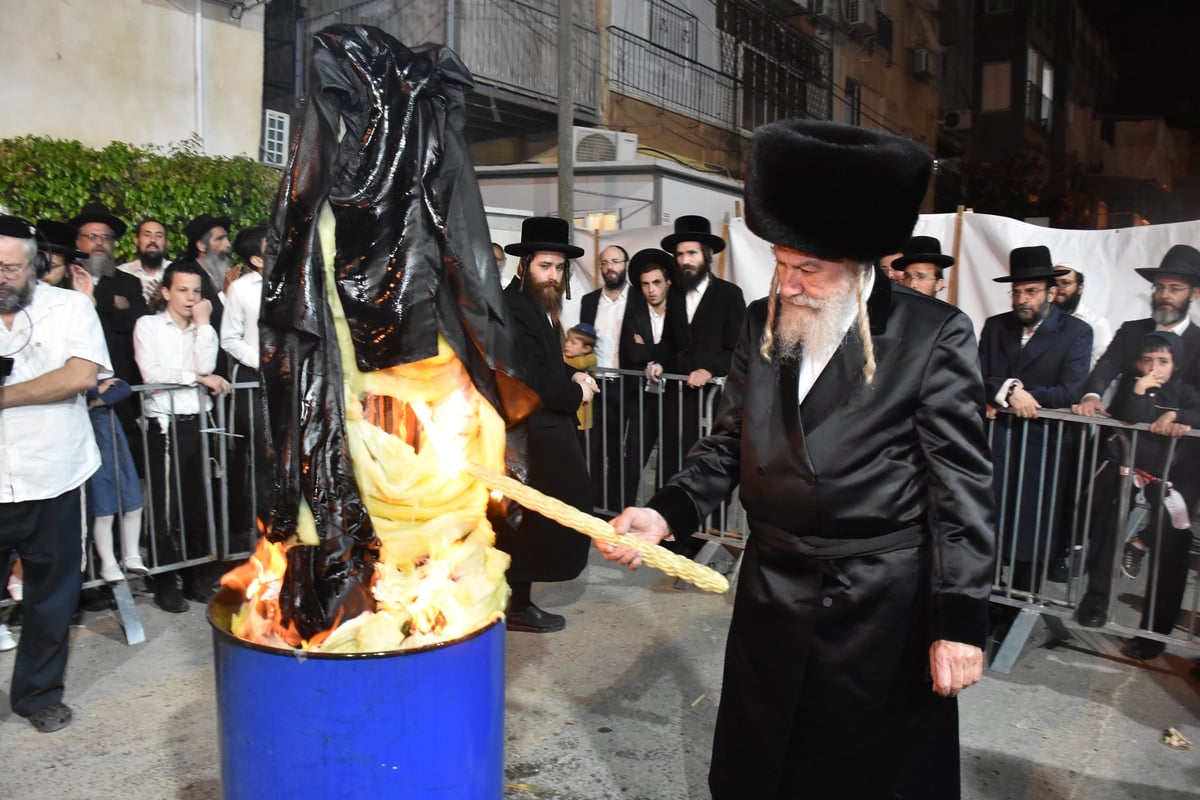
(923, 250)
(549, 234)
(204, 223)
(691, 228)
(649, 258)
(834, 191)
(59, 237)
(1181, 261)
(16, 227)
(1030, 264)
(97, 212)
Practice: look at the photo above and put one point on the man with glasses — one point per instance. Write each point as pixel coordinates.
(921, 265)
(1068, 296)
(51, 351)
(604, 309)
(1032, 357)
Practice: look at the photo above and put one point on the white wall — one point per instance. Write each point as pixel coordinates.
(124, 70)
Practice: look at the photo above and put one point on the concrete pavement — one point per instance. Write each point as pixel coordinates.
(619, 705)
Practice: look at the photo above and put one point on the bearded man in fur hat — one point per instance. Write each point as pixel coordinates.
(852, 418)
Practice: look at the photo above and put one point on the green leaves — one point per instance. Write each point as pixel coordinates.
(54, 178)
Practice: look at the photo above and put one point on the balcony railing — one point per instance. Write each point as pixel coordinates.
(1038, 107)
(639, 68)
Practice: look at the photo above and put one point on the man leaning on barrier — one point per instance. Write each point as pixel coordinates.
(852, 418)
(51, 350)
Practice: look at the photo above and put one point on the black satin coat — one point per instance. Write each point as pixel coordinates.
(413, 259)
(826, 689)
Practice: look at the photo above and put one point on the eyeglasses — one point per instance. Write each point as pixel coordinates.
(101, 237)
(1171, 288)
(612, 263)
(11, 271)
(1030, 292)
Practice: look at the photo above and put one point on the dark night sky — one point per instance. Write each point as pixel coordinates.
(1158, 45)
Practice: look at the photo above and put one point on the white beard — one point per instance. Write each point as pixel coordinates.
(815, 326)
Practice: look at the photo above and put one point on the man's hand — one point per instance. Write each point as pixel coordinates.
(954, 666)
(654, 372)
(1090, 406)
(1167, 426)
(637, 339)
(120, 302)
(82, 281)
(990, 411)
(645, 523)
(202, 312)
(698, 377)
(1023, 404)
(588, 384)
(215, 383)
(230, 276)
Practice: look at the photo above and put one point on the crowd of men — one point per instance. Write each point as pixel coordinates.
(78, 331)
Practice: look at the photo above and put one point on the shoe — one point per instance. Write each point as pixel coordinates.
(98, 598)
(135, 566)
(1059, 572)
(1092, 612)
(7, 642)
(51, 718)
(167, 595)
(197, 590)
(1131, 561)
(111, 573)
(1143, 649)
(534, 620)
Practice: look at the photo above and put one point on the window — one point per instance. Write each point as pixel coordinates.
(996, 91)
(673, 28)
(853, 106)
(1039, 89)
(274, 150)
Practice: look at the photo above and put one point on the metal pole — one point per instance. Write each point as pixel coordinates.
(566, 112)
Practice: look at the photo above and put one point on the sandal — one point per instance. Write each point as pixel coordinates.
(51, 718)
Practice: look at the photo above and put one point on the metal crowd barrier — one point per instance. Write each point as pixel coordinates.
(1065, 506)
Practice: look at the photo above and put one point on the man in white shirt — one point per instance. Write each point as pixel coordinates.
(604, 309)
(53, 349)
(239, 339)
(1070, 292)
(179, 346)
(150, 239)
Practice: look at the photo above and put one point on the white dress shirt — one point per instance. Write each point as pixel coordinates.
(166, 353)
(609, 314)
(49, 448)
(150, 283)
(656, 323)
(694, 296)
(1101, 331)
(813, 364)
(239, 323)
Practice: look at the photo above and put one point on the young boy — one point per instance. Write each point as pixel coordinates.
(578, 353)
(1161, 399)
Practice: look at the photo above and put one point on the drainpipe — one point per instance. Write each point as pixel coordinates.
(198, 69)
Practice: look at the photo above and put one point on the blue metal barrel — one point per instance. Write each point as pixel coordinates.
(424, 724)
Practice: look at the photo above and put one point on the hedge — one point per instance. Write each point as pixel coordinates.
(44, 178)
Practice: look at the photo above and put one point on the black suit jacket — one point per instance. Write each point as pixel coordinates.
(118, 323)
(1053, 366)
(632, 354)
(708, 341)
(1119, 360)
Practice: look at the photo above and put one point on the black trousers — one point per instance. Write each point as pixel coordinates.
(178, 492)
(48, 536)
(249, 478)
(643, 422)
(604, 440)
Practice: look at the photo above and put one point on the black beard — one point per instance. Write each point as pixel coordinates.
(546, 297)
(150, 260)
(13, 300)
(1037, 317)
(689, 282)
(1069, 304)
(616, 282)
(101, 265)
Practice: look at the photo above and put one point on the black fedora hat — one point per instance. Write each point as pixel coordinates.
(98, 212)
(1181, 261)
(204, 223)
(650, 258)
(923, 250)
(16, 227)
(59, 237)
(545, 234)
(692, 228)
(834, 191)
(1030, 264)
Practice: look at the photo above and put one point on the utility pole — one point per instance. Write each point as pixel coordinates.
(566, 113)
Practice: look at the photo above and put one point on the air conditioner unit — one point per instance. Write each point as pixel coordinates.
(273, 150)
(593, 144)
(959, 120)
(827, 10)
(861, 15)
(920, 61)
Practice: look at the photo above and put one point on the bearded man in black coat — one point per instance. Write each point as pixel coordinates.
(541, 549)
(852, 419)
